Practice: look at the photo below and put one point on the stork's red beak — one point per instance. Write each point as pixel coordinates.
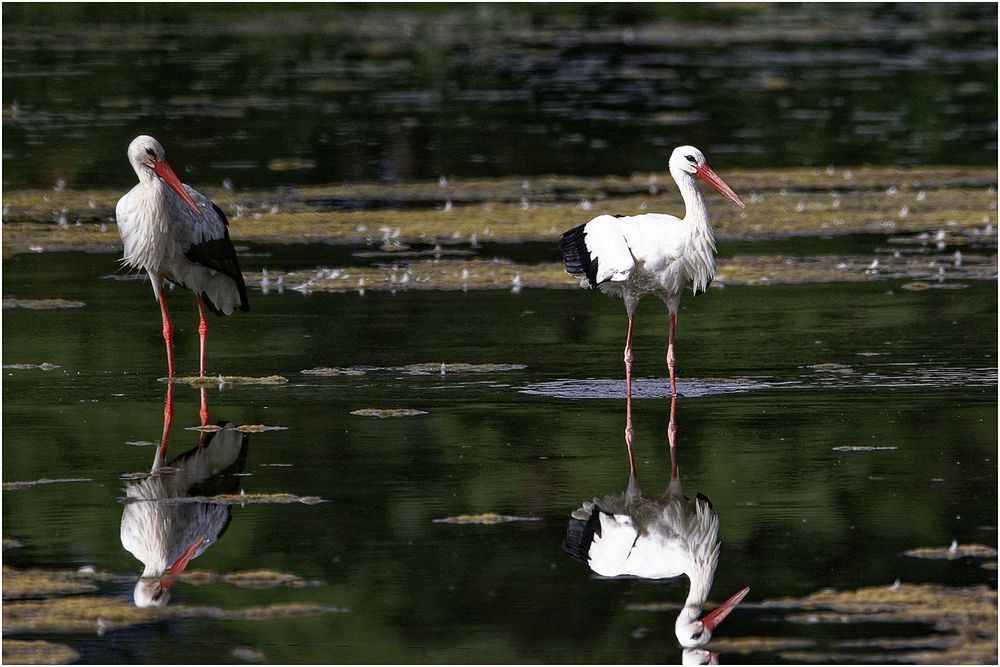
(705, 173)
(169, 575)
(712, 620)
(164, 171)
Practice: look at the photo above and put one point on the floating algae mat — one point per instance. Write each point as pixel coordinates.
(42, 304)
(18, 652)
(91, 613)
(235, 499)
(486, 519)
(198, 381)
(383, 413)
(755, 270)
(780, 203)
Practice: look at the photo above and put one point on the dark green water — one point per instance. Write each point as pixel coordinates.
(279, 94)
(757, 435)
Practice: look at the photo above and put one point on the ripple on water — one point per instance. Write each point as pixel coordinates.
(645, 387)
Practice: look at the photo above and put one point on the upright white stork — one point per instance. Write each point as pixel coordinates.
(655, 537)
(635, 256)
(175, 233)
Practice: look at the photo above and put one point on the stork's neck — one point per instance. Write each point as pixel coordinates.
(695, 210)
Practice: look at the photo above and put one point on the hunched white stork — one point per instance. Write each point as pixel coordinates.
(655, 537)
(175, 233)
(166, 533)
(651, 254)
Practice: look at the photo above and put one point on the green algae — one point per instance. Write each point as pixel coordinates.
(102, 614)
(13, 486)
(752, 270)
(953, 552)
(384, 413)
(19, 652)
(485, 519)
(42, 304)
(197, 380)
(237, 499)
(781, 203)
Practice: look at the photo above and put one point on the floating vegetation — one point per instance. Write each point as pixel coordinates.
(443, 368)
(42, 304)
(234, 499)
(45, 366)
(954, 551)
(862, 448)
(259, 428)
(256, 579)
(746, 645)
(90, 613)
(248, 654)
(788, 202)
(205, 428)
(487, 519)
(20, 584)
(831, 368)
(384, 413)
(324, 371)
(142, 443)
(267, 579)
(964, 619)
(12, 486)
(920, 286)
(198, 381)
(18, 652)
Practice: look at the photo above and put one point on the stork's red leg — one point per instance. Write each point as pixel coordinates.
(629, 435)
(168, 420)
(628, 358)
(202, 336)
(203, 413)
(672, 438)
(168, 326)
(671, 356)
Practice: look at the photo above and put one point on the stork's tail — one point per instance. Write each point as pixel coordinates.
(576, 255)
(583, 526)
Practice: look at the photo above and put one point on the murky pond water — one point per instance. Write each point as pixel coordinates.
(833, 427)
(395, 472)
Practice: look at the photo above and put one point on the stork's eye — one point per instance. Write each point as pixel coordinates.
(690, 158)
(696, 636)
(150, 152)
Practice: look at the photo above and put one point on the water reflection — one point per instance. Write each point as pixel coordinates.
(166, 536)
(656, 537)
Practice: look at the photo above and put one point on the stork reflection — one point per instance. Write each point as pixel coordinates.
(655, 537)
(166, 536)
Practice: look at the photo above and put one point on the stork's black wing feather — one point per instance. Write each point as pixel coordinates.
(576, 255)
(219, 255)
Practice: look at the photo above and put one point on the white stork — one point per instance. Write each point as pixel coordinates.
(635, 256)
(175, 233)
(161, 530)
(655, 537)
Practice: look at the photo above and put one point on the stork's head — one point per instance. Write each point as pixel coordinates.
(154, 591)
(694, 632)
(689, 160)
(150, 592)
(149, 161)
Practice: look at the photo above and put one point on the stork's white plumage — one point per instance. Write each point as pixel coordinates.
(652, 254)
(159, 528)
(655, 537)
(175, 233)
